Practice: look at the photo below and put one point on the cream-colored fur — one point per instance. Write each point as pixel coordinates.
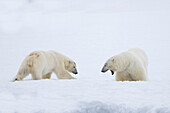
(129, 66)
(41, 65)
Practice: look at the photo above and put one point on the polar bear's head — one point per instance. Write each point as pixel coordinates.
(115, 63)
(70, 66)
(21, 74)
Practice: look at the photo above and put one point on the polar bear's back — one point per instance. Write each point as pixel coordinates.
(58, 55)
(141, 55)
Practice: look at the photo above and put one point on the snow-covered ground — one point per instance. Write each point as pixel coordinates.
(89, 32)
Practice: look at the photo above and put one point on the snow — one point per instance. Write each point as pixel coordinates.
(89, 32)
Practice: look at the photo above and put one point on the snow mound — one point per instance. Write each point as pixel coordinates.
(99, 107)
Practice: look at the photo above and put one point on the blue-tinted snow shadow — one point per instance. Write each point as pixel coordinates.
(99, 107)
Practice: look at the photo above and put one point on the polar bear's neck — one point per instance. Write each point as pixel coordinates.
(123, 61)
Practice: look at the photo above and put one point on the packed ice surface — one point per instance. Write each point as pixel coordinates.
(89, 32)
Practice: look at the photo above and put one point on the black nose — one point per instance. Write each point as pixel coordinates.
(75, 71)
(104, 70)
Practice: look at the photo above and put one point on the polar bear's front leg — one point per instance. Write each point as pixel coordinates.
(36, 75)
(47, 76)
(64, 75)
(119, 76)
(122, 76)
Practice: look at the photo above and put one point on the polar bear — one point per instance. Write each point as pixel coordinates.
(129, 66)
(41, 64)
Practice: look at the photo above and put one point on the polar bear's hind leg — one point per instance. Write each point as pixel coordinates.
(47, 76)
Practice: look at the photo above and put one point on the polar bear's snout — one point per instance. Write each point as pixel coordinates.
(104, 69)
(74, 70)
(15, 79)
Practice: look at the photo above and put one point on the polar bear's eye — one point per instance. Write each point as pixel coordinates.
(113, 60)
